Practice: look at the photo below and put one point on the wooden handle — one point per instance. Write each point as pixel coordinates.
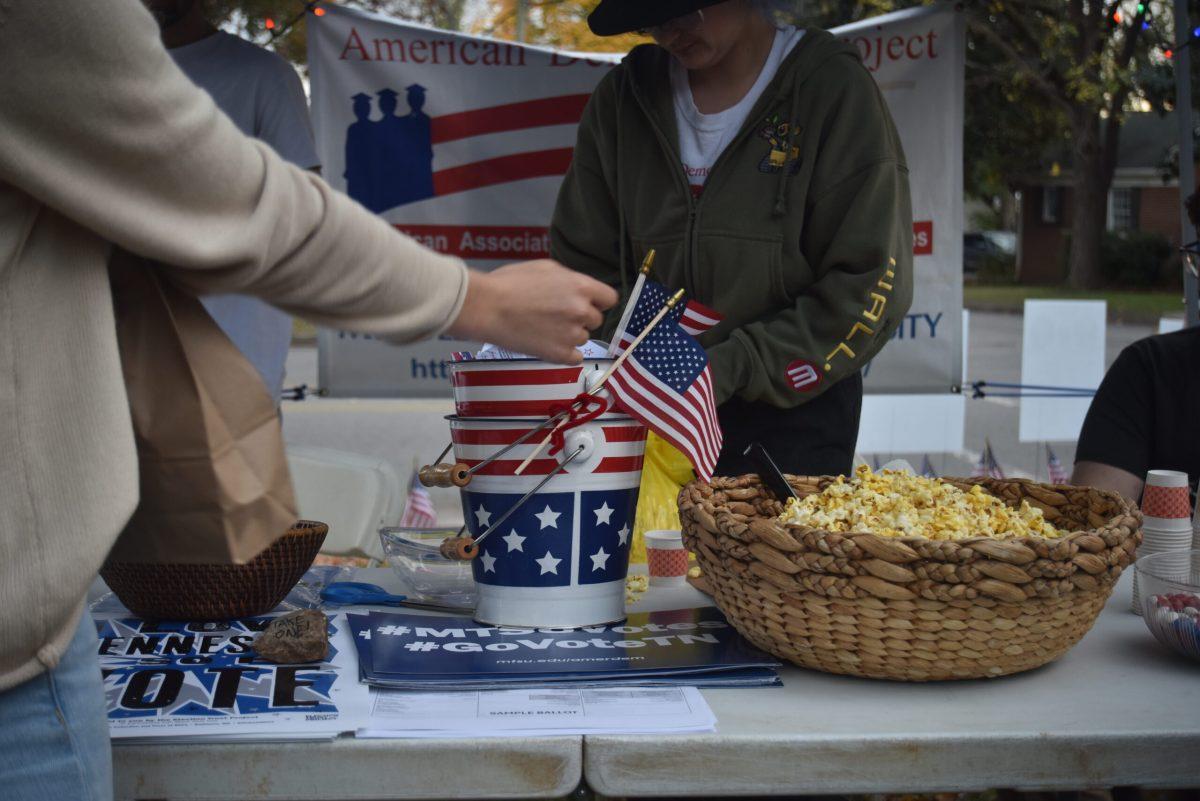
(426, 475)
(441, 475)
(462, 549)
(460, 475)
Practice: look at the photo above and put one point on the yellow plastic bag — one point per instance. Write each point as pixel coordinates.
(664, 472)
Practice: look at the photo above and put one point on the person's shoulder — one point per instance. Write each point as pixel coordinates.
(1182, 346)
(247, 54)
(610, 87)
(829, 72)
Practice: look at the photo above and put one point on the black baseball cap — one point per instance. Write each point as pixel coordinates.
(612, 17)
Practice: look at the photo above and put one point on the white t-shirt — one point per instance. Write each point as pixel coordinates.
(263, 96)
(702, 137)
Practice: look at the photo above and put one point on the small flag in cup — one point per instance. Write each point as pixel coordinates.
(418, 509)
(1057, 474)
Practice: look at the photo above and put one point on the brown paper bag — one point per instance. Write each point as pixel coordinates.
(214, 480)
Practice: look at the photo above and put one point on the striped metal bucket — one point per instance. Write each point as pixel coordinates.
(519, 388)
(560, 559)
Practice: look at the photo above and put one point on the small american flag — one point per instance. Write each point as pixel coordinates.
(987, 464)
(696, 319)
(418, 509)
(927, 468)
(981, 466)
(666, 382)
(1057, 474)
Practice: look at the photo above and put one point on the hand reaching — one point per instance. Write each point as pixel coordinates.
(536, 307)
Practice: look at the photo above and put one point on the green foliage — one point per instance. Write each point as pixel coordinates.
(249, 19)
(1134, 259)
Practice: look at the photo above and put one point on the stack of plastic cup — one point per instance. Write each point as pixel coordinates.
(1166, 520)
(1196, 529)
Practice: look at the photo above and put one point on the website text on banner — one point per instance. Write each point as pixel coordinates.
(462, 143)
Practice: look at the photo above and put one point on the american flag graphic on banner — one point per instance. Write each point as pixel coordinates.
(1057, 474)
(666, 382)
(418, 509)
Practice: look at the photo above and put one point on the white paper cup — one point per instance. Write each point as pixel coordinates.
(1166, 501)
(1166, 523)
(1158, 541)
(666, 559)
(1166, 478)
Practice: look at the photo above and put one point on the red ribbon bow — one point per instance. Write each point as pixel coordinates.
(584, 408)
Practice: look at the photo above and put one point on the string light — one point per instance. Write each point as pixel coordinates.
(1169, 53)
(1117, 17)
(278, 30)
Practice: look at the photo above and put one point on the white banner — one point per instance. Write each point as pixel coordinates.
(462, 142)
(917, 58)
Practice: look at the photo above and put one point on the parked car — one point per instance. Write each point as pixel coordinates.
(982, 247)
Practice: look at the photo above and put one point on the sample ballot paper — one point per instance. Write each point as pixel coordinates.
(541, 712)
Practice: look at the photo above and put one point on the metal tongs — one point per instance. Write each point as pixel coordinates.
(770, 474)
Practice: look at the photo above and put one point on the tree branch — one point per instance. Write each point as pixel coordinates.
(1045, 85)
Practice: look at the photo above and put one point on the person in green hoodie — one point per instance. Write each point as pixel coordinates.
(761, 164)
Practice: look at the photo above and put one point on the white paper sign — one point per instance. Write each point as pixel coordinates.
(1062, 348)
(541, 712)
(917, 59)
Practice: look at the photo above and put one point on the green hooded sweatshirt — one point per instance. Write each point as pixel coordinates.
(802, 237)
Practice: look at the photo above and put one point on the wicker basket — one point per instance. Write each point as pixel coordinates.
(909, 608)
(217, 592)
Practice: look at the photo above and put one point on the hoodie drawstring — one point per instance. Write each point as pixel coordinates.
(781, 186)
(622, 228)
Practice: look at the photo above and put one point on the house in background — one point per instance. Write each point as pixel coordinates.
(1144, 197)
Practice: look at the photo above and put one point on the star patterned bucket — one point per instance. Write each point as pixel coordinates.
(560, 559)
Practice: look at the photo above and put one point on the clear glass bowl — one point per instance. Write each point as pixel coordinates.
(413, 554)
(1169, 595)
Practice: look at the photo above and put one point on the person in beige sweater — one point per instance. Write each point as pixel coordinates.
(105, 144)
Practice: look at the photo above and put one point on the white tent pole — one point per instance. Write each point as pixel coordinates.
(522, 11)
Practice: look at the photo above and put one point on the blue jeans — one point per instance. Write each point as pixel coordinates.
(54, 737)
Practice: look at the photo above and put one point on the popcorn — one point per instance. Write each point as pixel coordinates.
(898, 504)
(634, 587)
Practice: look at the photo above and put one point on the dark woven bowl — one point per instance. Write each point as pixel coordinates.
(217, 592)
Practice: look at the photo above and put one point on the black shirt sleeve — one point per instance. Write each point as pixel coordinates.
(1118, 428)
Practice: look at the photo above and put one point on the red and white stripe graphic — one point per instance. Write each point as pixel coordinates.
(623, 448)
(516, 388)
(518, 141)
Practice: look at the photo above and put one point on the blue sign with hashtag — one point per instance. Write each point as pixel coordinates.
(682, 646)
